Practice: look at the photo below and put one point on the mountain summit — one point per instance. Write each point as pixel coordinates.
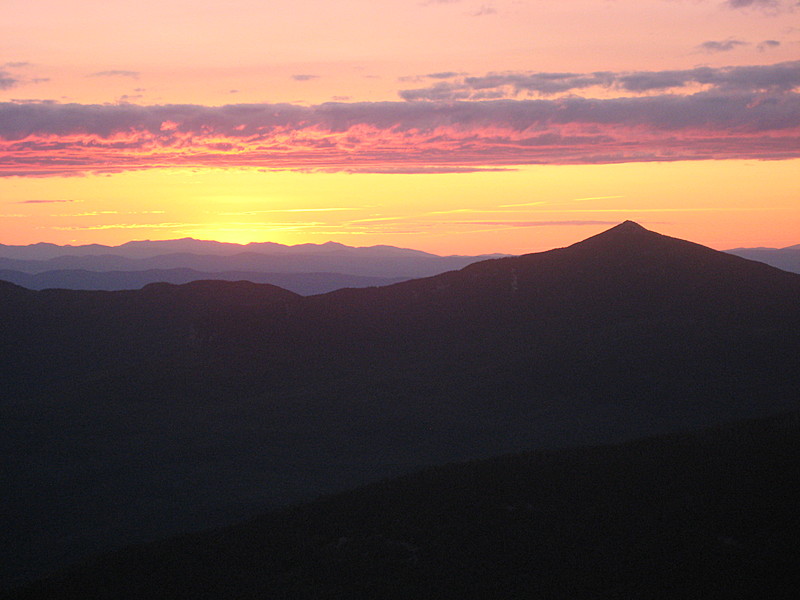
(624, 228)
(632, 237)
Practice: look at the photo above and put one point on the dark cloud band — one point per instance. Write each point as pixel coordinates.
(399, 136)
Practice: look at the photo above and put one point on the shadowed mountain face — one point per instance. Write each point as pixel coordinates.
(130, 415)
(704, 515)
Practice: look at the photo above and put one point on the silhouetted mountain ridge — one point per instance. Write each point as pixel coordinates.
(175, 407)
(306, 284)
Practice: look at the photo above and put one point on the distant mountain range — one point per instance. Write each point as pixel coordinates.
(128, 416)
(306, 269)
(324, 267)
(787, 258)
(150, 249)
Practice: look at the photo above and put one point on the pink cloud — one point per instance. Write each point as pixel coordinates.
(399, 137)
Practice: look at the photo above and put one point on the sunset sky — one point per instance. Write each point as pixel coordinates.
(452, 126)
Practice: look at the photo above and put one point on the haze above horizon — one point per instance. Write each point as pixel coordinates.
(448, 126)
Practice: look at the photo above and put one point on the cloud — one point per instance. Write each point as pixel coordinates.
(7, 81)
(304, 77)
(129, 97)
(712, 47)
(421, 170)
(484, 10)
(288, 210)
(768, 45)
(443, 75)
(771, 7)
(116, 73)
(167, 225)
(43, 201)
(730, 121)
(752, 3)
(33, 101)
(535, 223)
(766, 78)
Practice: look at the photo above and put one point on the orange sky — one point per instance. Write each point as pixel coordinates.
(453, 126)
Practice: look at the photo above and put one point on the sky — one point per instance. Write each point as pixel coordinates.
(451, 126)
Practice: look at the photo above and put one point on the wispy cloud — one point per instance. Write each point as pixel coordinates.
(663, 209)
(102, 227)
(536, 223)
(419, 170)
(484, 10)
(747, 3)
(767, 6)
(10, 80)
(714, 46)
(443, 75)
(542, 202)
(116, 73)
(304, 77)
(768, 45)
(288, 210)
(43, 201)
(7, 80)
(93, 213)
(588, 198)
(521, 204)
(103, 213)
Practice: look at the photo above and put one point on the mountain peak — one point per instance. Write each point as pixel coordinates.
(626, 228)
(629, 226)
(624, 234)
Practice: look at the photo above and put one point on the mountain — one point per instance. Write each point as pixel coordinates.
(306, 284)
(710, 514)
(215, 257)
(149, 249)
(131, 415)
(787, 259)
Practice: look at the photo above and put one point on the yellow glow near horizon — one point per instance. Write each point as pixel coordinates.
(722, 204)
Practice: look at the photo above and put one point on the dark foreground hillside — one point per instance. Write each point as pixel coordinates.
(706, 515)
